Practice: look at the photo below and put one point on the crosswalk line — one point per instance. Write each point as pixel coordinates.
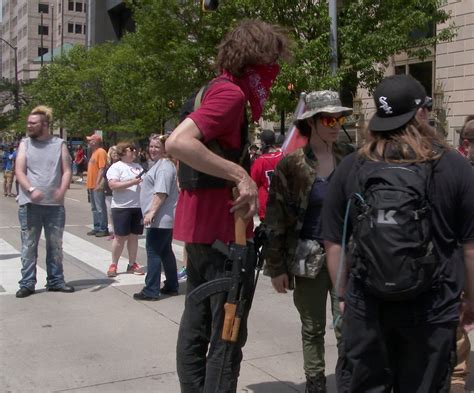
(178, 249)
(98, 258)
(10, 269)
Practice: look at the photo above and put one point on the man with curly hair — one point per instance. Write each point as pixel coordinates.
(247, 62)
(43, 170)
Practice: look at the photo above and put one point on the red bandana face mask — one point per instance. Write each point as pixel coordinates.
(259, 79)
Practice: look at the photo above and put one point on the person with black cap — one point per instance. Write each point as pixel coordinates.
(399, 326)
(263, 168)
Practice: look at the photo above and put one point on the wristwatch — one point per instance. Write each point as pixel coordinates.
(31, 189)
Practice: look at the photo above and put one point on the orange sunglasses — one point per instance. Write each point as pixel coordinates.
(332, 121)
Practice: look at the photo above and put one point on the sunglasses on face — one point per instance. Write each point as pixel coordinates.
(428, 104)
(331, 122)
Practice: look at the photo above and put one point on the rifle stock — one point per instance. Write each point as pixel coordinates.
(230, 329)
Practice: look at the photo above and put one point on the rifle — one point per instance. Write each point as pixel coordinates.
(239, 296)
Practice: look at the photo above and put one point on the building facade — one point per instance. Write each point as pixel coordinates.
(447, 74)
(39, 29)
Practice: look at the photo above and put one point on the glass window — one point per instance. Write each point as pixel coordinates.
(78, 6)
(43, 30)
(44, 8)
(42, 51)
(71, 6)
(424, 73)
(78, 29)
(70, 27)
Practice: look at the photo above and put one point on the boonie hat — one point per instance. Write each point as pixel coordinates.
(325, 101)
(397, 98)
(94, 137)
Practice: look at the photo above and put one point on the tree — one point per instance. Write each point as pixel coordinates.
(370, 31)
(137, 84)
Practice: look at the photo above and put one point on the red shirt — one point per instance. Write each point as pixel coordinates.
(202, 215)
(262, 172)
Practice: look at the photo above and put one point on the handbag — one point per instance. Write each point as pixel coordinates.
(310, 257)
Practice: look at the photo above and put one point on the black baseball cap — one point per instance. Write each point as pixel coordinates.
(267, 137)
(397, 98)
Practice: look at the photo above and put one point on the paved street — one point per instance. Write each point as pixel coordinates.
(101, 340)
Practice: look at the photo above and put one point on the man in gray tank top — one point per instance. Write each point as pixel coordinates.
(43, 170)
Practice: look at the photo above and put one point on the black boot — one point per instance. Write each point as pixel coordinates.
(316, 384)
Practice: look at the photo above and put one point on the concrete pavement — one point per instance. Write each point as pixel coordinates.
(101, 340)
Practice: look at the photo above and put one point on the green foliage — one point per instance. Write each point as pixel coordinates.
(139, 83)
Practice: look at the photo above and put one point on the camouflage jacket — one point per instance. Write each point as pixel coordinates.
(287, 202)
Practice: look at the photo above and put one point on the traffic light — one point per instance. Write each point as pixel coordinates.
(209, 5)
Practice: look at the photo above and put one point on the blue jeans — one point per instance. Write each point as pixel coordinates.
(159, 251)
(99, 211)
(32, 219)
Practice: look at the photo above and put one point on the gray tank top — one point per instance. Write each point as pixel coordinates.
(43, 169)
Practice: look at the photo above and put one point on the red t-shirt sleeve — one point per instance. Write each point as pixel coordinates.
(221, 110)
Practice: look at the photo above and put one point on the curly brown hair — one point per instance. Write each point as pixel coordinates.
(252, 42)
(413, 143)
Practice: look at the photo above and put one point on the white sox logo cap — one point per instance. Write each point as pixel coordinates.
(397, 98)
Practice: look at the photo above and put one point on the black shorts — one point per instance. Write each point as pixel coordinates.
(127, 220)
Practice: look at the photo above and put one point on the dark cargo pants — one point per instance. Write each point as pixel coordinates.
(205, 363)
(388, 346)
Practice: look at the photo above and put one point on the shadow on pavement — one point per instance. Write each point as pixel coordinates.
(275, 387)
(100, 284)
(287, 387)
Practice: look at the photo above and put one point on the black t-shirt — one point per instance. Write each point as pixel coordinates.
(452, 199)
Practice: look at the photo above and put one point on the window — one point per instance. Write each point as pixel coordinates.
(424, 73)
(59, 29)
(43, 8)
(43, 30)
(42, 51)
(85, 29)
(70, 6)
(85, 5)
(70, 27)
(78, 6)
(78, 29)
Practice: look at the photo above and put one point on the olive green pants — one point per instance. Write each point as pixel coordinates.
(310, 298)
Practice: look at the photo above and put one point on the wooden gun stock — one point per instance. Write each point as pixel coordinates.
(230, 330)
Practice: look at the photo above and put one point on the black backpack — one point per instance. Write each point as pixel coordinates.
(393, 253)
(191, 179)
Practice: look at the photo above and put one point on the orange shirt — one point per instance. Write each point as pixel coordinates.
(97, 161)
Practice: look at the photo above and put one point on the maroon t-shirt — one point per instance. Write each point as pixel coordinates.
(203, 215)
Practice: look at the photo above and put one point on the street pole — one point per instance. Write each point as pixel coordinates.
(16, 91)
(333, 35)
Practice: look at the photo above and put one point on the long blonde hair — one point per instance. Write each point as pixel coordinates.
(415, 142)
